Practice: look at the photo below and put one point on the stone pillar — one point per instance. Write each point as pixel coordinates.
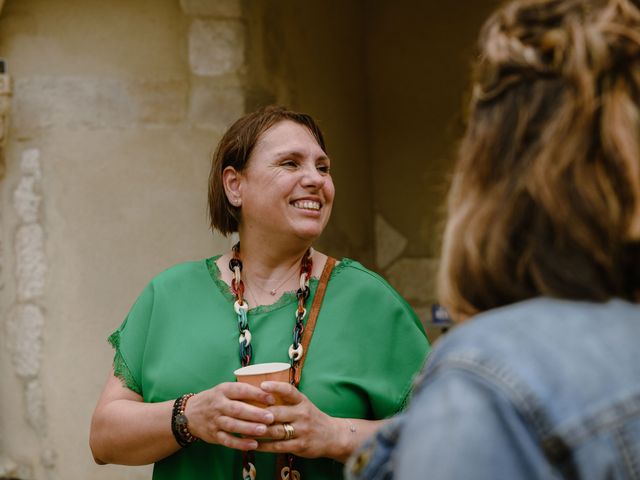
(5, 95)
(217, 62)
(105, 186)
(26, 319)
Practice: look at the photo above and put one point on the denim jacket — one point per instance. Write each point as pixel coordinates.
(542, 389)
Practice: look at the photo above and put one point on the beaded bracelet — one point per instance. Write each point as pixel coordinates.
(180, 423)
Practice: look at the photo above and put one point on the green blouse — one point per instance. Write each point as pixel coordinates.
(181, 336)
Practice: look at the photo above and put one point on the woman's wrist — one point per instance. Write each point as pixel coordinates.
(180, 422)
(344, 439)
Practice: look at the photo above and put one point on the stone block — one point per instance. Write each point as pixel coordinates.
(389, 242)
(26, 201)
(46, 102)
(30, 163)
(31, 267)
(5, 84)
(49, 457)
(2, 256)
(35, 406)
(414, 278)
(5, 104)
(88, 102)
(8, 467)
(26, 198)
(216, 47)
(212, 8)
(25, 339)
(215, 108)
(159, 101)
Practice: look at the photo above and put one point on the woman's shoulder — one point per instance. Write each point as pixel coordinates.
(359, 278)
(496, 335)
(531, 325)
(542, 338)
(350, 267)
(545, 356)
(179, 273)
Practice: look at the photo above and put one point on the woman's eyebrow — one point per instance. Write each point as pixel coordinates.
(298, 154)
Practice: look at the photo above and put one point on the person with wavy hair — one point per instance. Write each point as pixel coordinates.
(540, 262)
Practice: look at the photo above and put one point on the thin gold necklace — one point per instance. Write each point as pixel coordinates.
(272, 291)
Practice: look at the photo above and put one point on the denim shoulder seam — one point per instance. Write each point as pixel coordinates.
(613, 417)
(629, 459)
(524, 400)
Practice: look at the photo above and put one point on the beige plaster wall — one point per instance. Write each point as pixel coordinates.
(108, 101)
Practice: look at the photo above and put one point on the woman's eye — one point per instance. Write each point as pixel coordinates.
(289, 163)
(324, 168)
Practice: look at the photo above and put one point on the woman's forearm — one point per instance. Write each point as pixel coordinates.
(129, 432)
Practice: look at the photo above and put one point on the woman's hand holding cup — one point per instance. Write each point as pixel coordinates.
(231, 414)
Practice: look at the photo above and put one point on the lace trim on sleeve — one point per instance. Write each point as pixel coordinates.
(120, 368)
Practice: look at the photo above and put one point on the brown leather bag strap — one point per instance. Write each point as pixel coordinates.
(313, 314)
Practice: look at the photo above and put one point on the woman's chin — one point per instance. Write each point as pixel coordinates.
(308, 234)
(309, 230)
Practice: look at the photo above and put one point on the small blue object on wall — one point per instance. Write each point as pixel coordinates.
(440, 316)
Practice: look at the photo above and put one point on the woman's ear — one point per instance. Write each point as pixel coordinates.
(231, 182)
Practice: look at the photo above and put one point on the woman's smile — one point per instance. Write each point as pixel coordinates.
(312, 205)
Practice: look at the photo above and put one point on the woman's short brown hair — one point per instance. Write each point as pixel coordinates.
(548, 173)
(234, 150)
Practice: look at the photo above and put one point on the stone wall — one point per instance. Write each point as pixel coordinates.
(116, 108)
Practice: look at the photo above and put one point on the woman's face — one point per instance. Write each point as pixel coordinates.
(286, 188)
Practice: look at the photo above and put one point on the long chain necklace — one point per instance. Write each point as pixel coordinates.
(246, 350)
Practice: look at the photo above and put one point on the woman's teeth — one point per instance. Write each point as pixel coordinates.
(307, 204)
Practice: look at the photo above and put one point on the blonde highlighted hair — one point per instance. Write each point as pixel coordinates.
(547, 178)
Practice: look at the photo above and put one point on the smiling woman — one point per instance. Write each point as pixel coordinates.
(286, 190)
(172, 382)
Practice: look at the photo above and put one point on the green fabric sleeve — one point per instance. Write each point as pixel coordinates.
(129, 341)
(367, 347)
(398, 348)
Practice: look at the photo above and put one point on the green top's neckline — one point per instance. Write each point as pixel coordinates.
(285, 299)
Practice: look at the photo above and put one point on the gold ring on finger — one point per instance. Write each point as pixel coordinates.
(289, 431)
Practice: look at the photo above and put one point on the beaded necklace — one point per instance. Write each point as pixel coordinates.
(246, 350)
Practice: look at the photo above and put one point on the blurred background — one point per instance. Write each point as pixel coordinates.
(109, 113)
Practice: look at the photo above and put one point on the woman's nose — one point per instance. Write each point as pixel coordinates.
(312, 177)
